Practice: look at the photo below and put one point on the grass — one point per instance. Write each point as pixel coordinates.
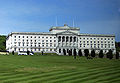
(58, 69)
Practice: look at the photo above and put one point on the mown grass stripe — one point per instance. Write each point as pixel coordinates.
(15, 80)
(90, 78)
(35, 76)
(62, 76)
(53, 77)
(9, 74)
(12, 76)
(116, 80)
(80, 76)
(114, 75)
(93, 70)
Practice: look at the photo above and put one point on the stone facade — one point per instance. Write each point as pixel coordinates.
(59, 39)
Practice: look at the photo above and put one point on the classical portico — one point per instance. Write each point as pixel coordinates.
(67, 41)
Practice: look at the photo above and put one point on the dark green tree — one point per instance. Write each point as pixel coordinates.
(80, 53)
(117, 45)
(28, 52)
(13, 53)
(110, 54)
(93, 53)
(64, 51)
(101, 55)
(2, 43)
(86, 51)
(117, 55)
(75, 54)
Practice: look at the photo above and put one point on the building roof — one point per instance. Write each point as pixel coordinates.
(65, 27)
(49, 33)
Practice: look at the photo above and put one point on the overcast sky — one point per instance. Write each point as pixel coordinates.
(92, 16)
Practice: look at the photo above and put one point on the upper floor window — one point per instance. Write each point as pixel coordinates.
(14, 36)
(19, 36)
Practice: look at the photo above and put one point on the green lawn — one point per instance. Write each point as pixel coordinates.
(58, 69)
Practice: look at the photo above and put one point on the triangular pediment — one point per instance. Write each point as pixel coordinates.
(66, 33)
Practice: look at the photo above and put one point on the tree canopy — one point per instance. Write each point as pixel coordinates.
(2, 43)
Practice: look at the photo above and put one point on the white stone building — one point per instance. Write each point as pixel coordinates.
(59, 39)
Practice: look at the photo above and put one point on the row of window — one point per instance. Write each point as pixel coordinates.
(96, 41)
(38, 40)
(98, 45)
(35, 49)
(98, 38)
(43, 45)
(32, 37)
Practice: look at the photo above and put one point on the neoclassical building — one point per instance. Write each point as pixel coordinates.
(59, 40)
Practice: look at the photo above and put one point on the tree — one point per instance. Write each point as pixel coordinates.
(13, 53)
(101, 55)
(64, 51)
(109, 54)
(75, 53)
(86, 51)
(93, 53)
(2, 43)
(28, 52)
(69, 52)
(117, 55)
(42, 52)
(117, 45)
(80, 53)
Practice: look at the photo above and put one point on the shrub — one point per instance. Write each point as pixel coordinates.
(86, 51)
(110, 54)
(80, 53)
(117, 55)
(101, 55)
(93, 53)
